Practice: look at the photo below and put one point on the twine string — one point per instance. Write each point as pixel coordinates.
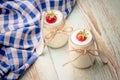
(87, 51)
(54, 31)
(83, 52)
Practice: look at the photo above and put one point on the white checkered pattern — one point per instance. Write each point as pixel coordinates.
(20, 32)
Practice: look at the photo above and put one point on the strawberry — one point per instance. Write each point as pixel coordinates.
(81, 36)
(51, 17)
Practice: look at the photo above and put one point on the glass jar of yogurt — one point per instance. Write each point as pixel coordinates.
(79, 47)
(53, 29)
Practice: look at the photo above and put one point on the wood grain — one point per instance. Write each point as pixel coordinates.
(103, 17)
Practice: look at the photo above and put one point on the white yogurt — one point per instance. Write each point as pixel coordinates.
(84, 61)
(60, 39)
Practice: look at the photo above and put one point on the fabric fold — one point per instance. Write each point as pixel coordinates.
(20, 32)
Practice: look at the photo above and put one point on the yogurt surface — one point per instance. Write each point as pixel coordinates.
(77, 42)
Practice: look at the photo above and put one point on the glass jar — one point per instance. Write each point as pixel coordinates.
(54, 34)
(83, 60)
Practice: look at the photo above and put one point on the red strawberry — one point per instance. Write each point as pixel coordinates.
(81, 36)
(51, 17)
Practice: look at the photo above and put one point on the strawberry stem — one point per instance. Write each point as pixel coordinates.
(51, 14)
(83, 34)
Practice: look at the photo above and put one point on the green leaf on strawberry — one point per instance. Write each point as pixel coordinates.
(51, 17)
(82, 35)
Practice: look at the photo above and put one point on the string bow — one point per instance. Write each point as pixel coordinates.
(54, 31)
(88, 51)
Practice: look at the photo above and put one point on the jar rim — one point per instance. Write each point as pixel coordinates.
(60, 19)
(85, 43)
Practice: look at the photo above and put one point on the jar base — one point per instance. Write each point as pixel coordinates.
(84, 67)
(58, 46)
(59, 40)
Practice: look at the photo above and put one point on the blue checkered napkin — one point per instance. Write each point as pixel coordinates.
(63, 5)
(20, 32)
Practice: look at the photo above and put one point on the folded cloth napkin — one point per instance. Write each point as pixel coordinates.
(20, 32)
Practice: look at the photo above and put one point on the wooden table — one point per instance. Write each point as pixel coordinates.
(103, 17)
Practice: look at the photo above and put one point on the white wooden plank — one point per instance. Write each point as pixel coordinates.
(59, 57)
